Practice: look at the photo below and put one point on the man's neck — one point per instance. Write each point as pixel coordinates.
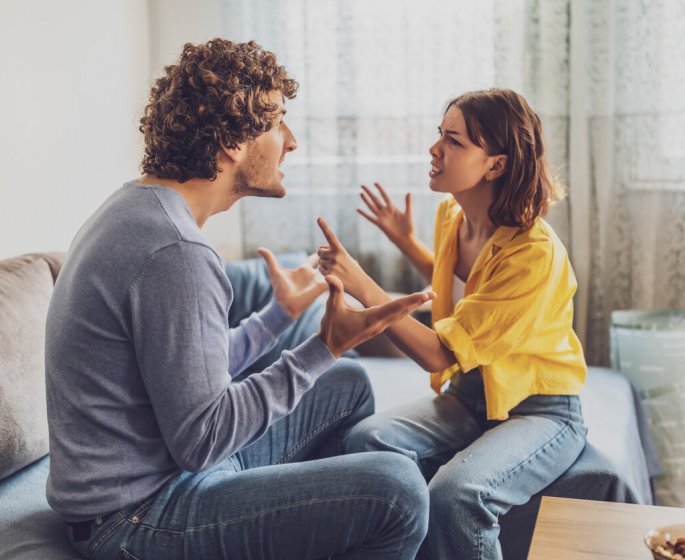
(204, 198)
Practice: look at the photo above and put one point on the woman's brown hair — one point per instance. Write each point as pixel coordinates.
(215, 95)
(502, 123)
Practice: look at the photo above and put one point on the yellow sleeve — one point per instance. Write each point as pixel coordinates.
(500, 315)
(439, 224)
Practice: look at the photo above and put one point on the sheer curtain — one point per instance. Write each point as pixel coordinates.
(606, 77)
(375, 76)
(628, 137)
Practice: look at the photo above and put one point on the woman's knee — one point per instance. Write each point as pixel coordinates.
(374, 433)
(458, 490)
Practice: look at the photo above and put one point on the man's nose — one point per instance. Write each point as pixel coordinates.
(290, 141)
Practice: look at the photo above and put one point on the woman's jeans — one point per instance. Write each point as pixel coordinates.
(270, 502)
(478, 469)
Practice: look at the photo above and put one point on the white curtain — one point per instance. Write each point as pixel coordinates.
(375, 76)
(606, 77)
(628, 137)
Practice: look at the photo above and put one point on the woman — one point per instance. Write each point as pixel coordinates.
(509, 422)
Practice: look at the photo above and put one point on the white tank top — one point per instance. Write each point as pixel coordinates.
(457, 290)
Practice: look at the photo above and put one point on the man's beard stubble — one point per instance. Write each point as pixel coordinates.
(251, 177)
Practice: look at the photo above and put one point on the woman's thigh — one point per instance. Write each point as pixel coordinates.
(429, 431)
(517, 458)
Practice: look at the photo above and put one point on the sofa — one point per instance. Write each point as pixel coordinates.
(616, 465)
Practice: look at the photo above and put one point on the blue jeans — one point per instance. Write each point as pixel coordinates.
(477, 469)
(261, 503)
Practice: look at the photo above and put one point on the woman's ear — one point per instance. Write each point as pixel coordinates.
(498, 167)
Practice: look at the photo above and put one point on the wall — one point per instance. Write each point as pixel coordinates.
(75, 79)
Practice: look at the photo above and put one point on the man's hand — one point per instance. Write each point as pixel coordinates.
(334, 259)
(294, 289)
(344, 327)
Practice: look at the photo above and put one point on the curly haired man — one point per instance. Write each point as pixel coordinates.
(156, 451)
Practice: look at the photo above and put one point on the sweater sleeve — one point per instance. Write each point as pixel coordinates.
(179, 324)
(255, 336)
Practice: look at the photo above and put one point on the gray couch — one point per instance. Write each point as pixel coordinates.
(612, 467)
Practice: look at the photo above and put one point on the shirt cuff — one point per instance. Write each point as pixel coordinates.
(314, 356)
(275, 319)
(453, 335)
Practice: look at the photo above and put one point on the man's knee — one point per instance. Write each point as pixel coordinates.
(349, 373)
(399, 480)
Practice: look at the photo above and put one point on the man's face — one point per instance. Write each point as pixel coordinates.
(258, 173)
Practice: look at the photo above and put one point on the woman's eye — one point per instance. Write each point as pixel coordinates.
(453, 141)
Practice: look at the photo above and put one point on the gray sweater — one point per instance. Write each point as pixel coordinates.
(139, 358)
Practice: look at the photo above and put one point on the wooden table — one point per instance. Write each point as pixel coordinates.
(582, 529)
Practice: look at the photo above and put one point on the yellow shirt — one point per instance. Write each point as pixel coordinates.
(515, 319)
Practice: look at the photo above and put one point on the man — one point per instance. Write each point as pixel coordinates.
(155, 452)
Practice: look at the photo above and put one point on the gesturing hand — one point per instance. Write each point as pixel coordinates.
(397, 225)
(334, 259)
(294, 289)
(344, 327)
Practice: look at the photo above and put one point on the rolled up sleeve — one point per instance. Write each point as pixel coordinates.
(495, 320)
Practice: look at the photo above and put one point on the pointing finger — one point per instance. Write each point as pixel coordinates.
(328, 234)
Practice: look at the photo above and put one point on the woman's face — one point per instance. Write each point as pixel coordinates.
(457, 163)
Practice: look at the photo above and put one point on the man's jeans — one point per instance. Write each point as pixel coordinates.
(478, 469)
(262, 503)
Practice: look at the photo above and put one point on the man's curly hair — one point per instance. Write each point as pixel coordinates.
(216, 94)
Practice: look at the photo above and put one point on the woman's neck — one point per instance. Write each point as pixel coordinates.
(475, 204)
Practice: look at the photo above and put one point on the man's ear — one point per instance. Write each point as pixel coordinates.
(233, 154)
(498, 167)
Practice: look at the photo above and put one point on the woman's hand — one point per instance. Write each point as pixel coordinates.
(334, 259)
(397, 225)
(294, 289)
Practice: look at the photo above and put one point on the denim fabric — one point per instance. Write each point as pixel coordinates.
(262, 504)
(477, 469)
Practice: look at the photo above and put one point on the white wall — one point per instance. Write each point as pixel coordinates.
(74, 80)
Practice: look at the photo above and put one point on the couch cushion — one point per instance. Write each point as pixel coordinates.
(29, 529)
(25, 289)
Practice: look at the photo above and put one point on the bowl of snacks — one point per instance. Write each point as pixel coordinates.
(667, 543)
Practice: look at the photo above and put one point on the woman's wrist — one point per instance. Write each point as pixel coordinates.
(406, 243)
(372, 294)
